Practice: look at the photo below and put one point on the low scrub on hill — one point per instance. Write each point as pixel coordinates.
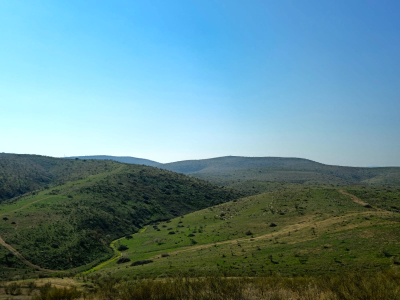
(348, 286)
(20, 174)
(299, 232)
(70, 226)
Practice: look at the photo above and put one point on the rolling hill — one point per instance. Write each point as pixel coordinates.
(256, 174)
(121, 159)
(298, 232)
(20, 173)
(70, 225)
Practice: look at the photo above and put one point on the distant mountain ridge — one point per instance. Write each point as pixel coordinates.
(231, 163)
(246, 172)
(122, 159)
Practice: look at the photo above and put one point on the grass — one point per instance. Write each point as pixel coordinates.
(70, 226)
(319, 231)
(347, 286)
(188, 239)
(21, 174)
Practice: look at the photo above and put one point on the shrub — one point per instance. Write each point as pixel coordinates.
(31, 287)
(141, 262)
(123, 248)
(248, 232)
(164, 255)
(128, 237)
(191, 235)
(13, 289)
(171, 232)
(47, 292)
(123, 260)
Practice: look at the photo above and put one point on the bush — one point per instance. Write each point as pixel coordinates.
(164, 255)
(123, 260)
(359, 286)
(13, 289)
(248, 232)
(171, 232)
(191, 235)
(141, 262)
(47, 292)
(123, 248)
(128, 237)
(31, 287)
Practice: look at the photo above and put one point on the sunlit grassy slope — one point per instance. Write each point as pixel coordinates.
(318, 231)
(20, 174)
(72, 225)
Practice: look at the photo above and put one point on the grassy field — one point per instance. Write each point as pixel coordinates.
(318, 231)
(115, 224)
(71, 226)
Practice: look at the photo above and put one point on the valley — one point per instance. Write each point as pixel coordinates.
(96, 219)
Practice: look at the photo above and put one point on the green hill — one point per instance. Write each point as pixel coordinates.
(121, 159)
(255, 174)
(71, 225)
(233, 163)
(20, 173)
(297, 232)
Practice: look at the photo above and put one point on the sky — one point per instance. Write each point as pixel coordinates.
(193, 79)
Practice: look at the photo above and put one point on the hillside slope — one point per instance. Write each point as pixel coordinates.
(298, 232)
(72, 225)
(20, 173)
(249, 172)
(233, 163)
(121, 159)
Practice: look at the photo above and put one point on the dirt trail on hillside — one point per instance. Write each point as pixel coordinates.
(284, 231)
(14, 251)
(29, 204)
(23, 259)
(356, 199)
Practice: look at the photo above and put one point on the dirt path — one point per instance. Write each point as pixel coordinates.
(355, 199)
(19, 255)
(284, 231)
(14, 251)
(23, 259)
(29, 204)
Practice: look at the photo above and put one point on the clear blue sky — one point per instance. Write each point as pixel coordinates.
(174, 80)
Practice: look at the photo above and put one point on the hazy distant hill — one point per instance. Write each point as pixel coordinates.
(122, 159)
(232, 163)
(249, 173)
